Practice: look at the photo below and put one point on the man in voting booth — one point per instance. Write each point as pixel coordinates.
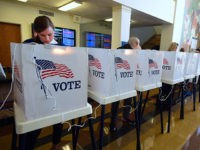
(133, 43)
(43, 29)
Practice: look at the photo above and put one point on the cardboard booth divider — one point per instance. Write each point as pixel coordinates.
(111, 72)
(49, 79)
(148, 69)
(198, 65)
(190, 65)
(173, 67)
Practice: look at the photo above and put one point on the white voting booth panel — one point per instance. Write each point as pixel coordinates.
(49, 79)
(111, 72)
(198, 65)
(148, 69)
(190, 65)
(173, 67)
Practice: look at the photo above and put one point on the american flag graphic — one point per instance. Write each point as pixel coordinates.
(179, 61)
(165, 61)
(48, 68)
(94, 62)
(152, 64)
(120, 63)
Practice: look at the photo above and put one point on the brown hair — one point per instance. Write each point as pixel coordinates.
(41, 23)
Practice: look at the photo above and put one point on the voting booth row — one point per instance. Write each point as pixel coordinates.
(55, 81)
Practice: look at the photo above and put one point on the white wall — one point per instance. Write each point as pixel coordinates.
(162, 9)
(143, 33)
(172, 33)
(24, 15)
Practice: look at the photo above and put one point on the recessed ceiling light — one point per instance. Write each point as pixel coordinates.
(23, 0)
(108, 20)
(69, 6)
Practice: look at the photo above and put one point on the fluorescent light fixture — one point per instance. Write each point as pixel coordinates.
(108, 20)
(23, 0)
(69, 6)
(132, 21)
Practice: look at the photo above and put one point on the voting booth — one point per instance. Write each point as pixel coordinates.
(111, 72)
(198, 65)
(148, 69)
(49, 79)
(190, 65)
(173, 67)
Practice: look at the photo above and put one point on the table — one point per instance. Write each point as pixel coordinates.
(172, 83)
(139, 110)
(23, 126)
(104, 101)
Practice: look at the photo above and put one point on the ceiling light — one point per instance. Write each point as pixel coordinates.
(69, 6)
(108, 20)
(23, 0)
(132, 21)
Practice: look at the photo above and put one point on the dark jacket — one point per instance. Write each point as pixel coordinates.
(36, 40)
(126, 46)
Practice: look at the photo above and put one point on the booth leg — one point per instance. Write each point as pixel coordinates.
(145, 101)
(101, 127)
(182, 103)
(22, 141)
(14, 138)
(137, 124)
(199, 88)
(92, 133)
(77, 132)
(194, 94)
(139, 109)
(161, 114)
(73, 135)
(169, 112)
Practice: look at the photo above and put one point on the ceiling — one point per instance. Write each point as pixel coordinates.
(97, 10)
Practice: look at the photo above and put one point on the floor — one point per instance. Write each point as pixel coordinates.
(184, 133)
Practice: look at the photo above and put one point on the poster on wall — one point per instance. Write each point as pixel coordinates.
(191, 24)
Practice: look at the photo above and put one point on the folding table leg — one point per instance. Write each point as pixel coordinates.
(77, 131)
(161, 114)
(14, 138)
(169, 112)
(199, 88)
(194, 94)
(101, 127)
(22, 141)
(139, 109)
(145, 101)
(92, 133)
(137, 124)
(182, 103)
(73, 135)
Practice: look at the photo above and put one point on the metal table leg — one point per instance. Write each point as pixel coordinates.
(73, 135)
(14, 138)
(22, 141)
(194, 93)
(92, 133)
(161, 114)
(145, 101)
(101, 127)
(137, 124)
(169, 112)
(182, 102)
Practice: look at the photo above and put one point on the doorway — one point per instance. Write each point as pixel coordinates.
(8, 33)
